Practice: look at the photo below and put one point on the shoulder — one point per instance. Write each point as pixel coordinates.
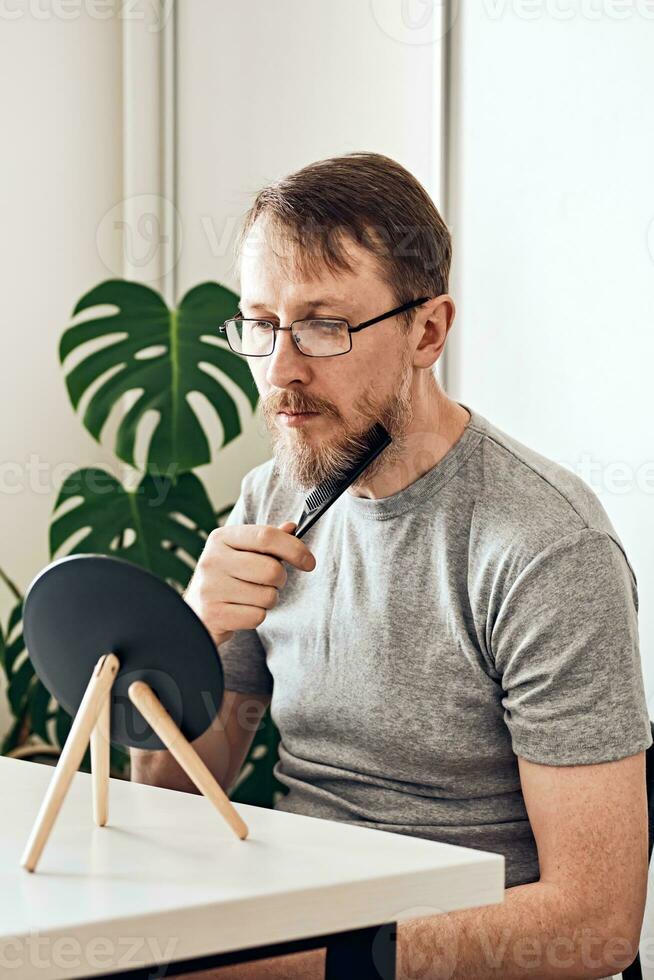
(527, 503)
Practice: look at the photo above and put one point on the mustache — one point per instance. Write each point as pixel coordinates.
(295, 404)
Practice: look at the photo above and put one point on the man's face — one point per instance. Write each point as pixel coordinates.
(346, 393)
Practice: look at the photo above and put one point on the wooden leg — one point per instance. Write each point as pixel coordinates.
(78, 738)
(100, 763)
(142, 695)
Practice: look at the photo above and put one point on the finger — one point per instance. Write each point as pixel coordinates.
(248, 593)
(268, 540)
(239, 617)
(248, 566)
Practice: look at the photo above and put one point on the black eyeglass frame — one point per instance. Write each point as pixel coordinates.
(350, 329)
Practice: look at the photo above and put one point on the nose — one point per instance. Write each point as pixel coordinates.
(287, 364)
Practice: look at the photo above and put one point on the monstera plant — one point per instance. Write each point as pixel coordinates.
(126, 343)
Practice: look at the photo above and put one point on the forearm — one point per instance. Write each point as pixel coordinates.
(537, 932)
(223, 747)
(159, 768)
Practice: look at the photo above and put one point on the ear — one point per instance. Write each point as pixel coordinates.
(433, 322)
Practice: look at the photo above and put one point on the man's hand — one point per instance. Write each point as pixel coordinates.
(239, 574)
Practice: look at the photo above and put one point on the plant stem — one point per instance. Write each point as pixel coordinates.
(10, 585)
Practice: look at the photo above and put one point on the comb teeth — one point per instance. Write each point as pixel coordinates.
(320, 493)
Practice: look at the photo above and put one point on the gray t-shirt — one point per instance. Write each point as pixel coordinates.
(484, 612)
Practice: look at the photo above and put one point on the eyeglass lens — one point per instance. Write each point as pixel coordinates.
(318, 337)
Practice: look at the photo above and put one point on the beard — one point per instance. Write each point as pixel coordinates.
(302, 462)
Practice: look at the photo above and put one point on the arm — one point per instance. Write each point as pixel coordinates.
(234, 584)
(223, 747)
(582, 919)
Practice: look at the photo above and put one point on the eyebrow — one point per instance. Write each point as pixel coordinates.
(311, 305)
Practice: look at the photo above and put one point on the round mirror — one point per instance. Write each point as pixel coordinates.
(82, 606)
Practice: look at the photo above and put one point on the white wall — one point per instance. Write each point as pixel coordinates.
(60, 172)
(264, 89)
(553, 205)
(554, 276)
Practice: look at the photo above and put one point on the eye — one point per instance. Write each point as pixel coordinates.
(326, 326)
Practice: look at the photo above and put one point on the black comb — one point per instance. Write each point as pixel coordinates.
(324, 495)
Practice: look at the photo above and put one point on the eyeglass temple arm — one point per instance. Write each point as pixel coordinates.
(385, 316)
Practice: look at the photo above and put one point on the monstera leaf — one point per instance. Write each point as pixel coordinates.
(162, 354)
(257, 783)
(18, 670)
(156, 516)
(30, 702)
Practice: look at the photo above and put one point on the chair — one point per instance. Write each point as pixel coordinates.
(634, 971)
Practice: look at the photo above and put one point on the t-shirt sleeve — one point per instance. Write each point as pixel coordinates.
(243, 656)
(565, 644)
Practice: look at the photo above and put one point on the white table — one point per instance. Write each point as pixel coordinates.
(166, 881)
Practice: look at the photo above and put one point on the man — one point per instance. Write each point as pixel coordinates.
(459, 658)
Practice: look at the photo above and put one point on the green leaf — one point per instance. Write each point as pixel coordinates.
(18, 686)
(189, 338)
(13, 643)
(119, 761)
(15, 617)
(151, 512)
(25, 692)
(39, 702)
(20, 676)
(63, 725)
(11, 739)
(257, 783)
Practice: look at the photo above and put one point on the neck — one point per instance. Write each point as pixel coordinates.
(438, 423)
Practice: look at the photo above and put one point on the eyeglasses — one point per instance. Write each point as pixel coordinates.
(319, 336)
